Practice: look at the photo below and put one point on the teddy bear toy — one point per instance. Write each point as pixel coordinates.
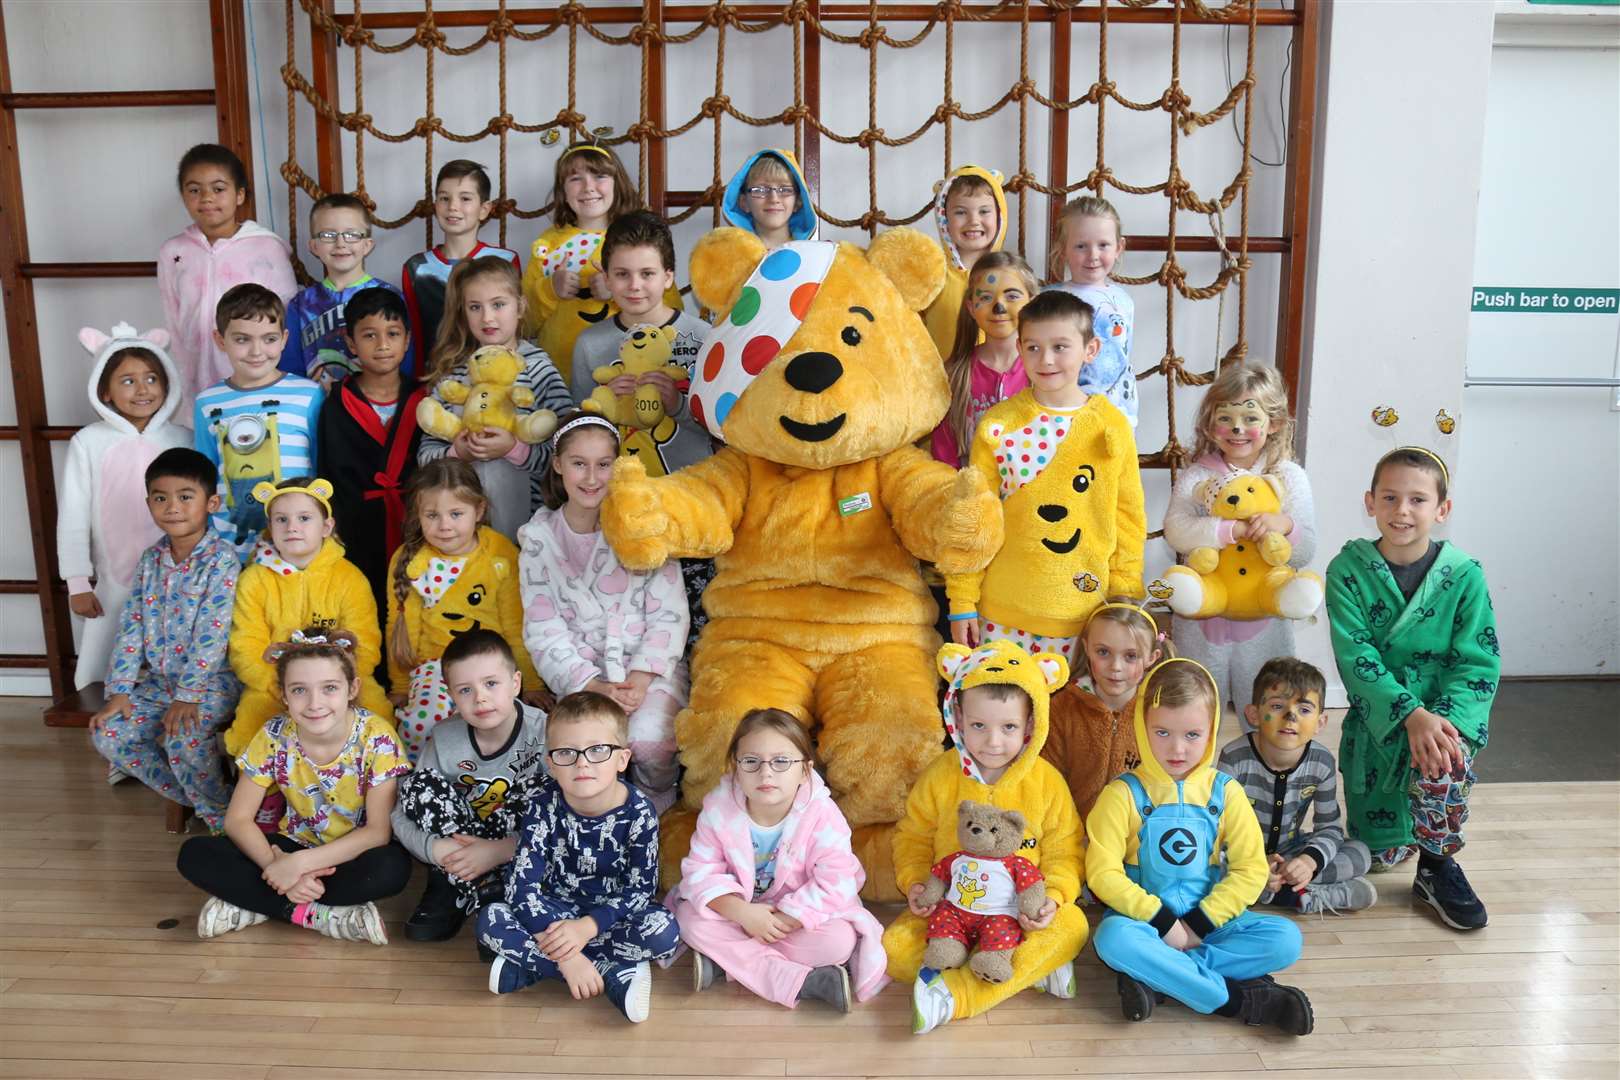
(644, 349)
(1246, 579)
(979, 892)
(489, 397)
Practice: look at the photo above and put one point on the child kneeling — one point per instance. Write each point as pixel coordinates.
(336, 766)
(771, 890)
(1178, 925)
(579, 898)
(996, 712)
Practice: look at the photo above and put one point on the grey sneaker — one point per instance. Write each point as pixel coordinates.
(704, 971)
(355, 922)
(830, 984)
(115, 775)
(219, 917)
(1338, 897)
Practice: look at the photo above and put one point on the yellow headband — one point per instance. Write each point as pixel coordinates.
(266, 493)
(587, 146)
(1158, 690)
(1445, 473)
(1123, 605)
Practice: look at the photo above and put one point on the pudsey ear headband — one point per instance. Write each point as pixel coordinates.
(266, 493)
(1445, 473)
(1122, 605)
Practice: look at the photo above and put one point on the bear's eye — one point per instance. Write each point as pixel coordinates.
(1082, 480)
(851, 336)
(476, 597)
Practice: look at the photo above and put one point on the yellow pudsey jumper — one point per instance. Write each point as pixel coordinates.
(1030, 786)
(820, 378)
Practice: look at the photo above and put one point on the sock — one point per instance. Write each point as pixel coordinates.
(1234, 1000)
(1428, 860)
(311, 915)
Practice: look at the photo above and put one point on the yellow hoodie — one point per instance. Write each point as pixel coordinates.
(1114, 825)
(1030, 786)
(941, 316)
(274, 598)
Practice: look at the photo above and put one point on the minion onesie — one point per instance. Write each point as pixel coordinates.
(274, 598)
(941, 315)
(1155, 856)
(1030, 786)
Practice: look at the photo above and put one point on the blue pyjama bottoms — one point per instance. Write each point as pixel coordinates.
(186, 768)
(1247, 947)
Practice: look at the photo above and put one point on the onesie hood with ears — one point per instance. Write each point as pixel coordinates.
(1001, 662)
(941, 189)
(103, 347)
(802, 223)
(1150, 770)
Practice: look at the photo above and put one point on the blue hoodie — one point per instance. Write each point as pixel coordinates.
(801, 226)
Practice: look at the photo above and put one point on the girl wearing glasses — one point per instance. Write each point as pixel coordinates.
(591, 624)
(770, 893)
(768, 197)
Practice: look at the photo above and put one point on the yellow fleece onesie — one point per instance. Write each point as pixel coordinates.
(941, 316)
(274, 598)
(1030, 786)
(1075, 521)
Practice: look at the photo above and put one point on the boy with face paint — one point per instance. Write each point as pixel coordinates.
(1285, 772)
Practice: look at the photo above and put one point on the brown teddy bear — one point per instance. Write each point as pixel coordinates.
(979, 892)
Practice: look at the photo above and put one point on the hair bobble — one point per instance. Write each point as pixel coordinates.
(336, 639)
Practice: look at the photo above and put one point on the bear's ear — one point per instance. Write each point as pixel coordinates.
(92, 340)
(1016, 820)
(951, 658)
(721, 262)
(1276, 485)
(966, 808)
(914, 264)
(667, 333)
(1054, 668)
(1206, 491)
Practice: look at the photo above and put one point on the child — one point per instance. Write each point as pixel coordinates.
(564, 286)
(335, 765)
(589, 623)
(297, 577)
(1243, 423)
(198, 266)
(451, 574)
(771, 890)
(1175, 853)
(259, 424)
(461, 205)
(983, 367)
(1414, 636)
(1064, 462)
(1089, 242)
(102, 524)
(368, 437)
(318, 343)
(1285, 773)
(579, 898)
(996, 713)
(971, 213)
(458, 812)
(169, 687)
(1092, 740)
(638, 258)
(484, 305)
(769, 198)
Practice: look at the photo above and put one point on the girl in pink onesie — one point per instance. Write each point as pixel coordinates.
(771, 891)
(102, 524)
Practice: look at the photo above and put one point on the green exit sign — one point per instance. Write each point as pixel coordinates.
(1513, 298)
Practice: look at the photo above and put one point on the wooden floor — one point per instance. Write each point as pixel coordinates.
(102, 975)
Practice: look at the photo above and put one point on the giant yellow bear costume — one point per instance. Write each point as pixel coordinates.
(819, 377)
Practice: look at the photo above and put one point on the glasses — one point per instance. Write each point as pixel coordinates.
(567, 755)
(751, 764)
(763, 192)
(330, 236)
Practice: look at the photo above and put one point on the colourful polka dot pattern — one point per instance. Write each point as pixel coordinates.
(1030, 643)
(441, 573)
(770, 307)
(575, 253)
(1023, 453)
(428, 704)
(265, 555)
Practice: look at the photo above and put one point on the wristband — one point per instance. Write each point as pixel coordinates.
(964, 617)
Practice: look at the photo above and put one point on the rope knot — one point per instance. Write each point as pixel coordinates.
(872, 36)
(355, 121)
(572, 14)
(429, 36)
(1171, 273)
(1023, 88)
(715, 105)
(501, 123)
(1099, 91)
(500, 27)
(1175, 99)
(867, 138)
(640, 131)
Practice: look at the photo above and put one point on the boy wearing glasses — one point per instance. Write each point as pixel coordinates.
(579, 896)
(458, 812)
(769, 198)
(340, 237)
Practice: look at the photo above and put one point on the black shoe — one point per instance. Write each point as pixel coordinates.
(486, 955)
(1267, 1002)
(1136, 999)
(1445, 888)
(629, 987)
(436, 918)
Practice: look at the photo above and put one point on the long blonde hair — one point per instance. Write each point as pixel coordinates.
(1243, 382)
(455, 341)
(1143, 630)
(1082, 207)
(445, 474)
(959, 365)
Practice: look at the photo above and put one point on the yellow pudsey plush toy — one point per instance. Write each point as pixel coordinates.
(644, 349)
(819, 377)
(489, 397)
(1246, 579)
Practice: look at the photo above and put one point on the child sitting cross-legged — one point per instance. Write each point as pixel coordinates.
(996, 712)
(579, 897)
(458, 812)
(1175, 852)
(1286, 772)
(771, 890)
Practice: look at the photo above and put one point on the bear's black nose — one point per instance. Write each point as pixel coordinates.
(1233, 499)
(813, 372)
(1053, 512)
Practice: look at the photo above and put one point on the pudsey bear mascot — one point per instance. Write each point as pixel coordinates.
(819, 377)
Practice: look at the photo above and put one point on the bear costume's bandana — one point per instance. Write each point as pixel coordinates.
(768, 311)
